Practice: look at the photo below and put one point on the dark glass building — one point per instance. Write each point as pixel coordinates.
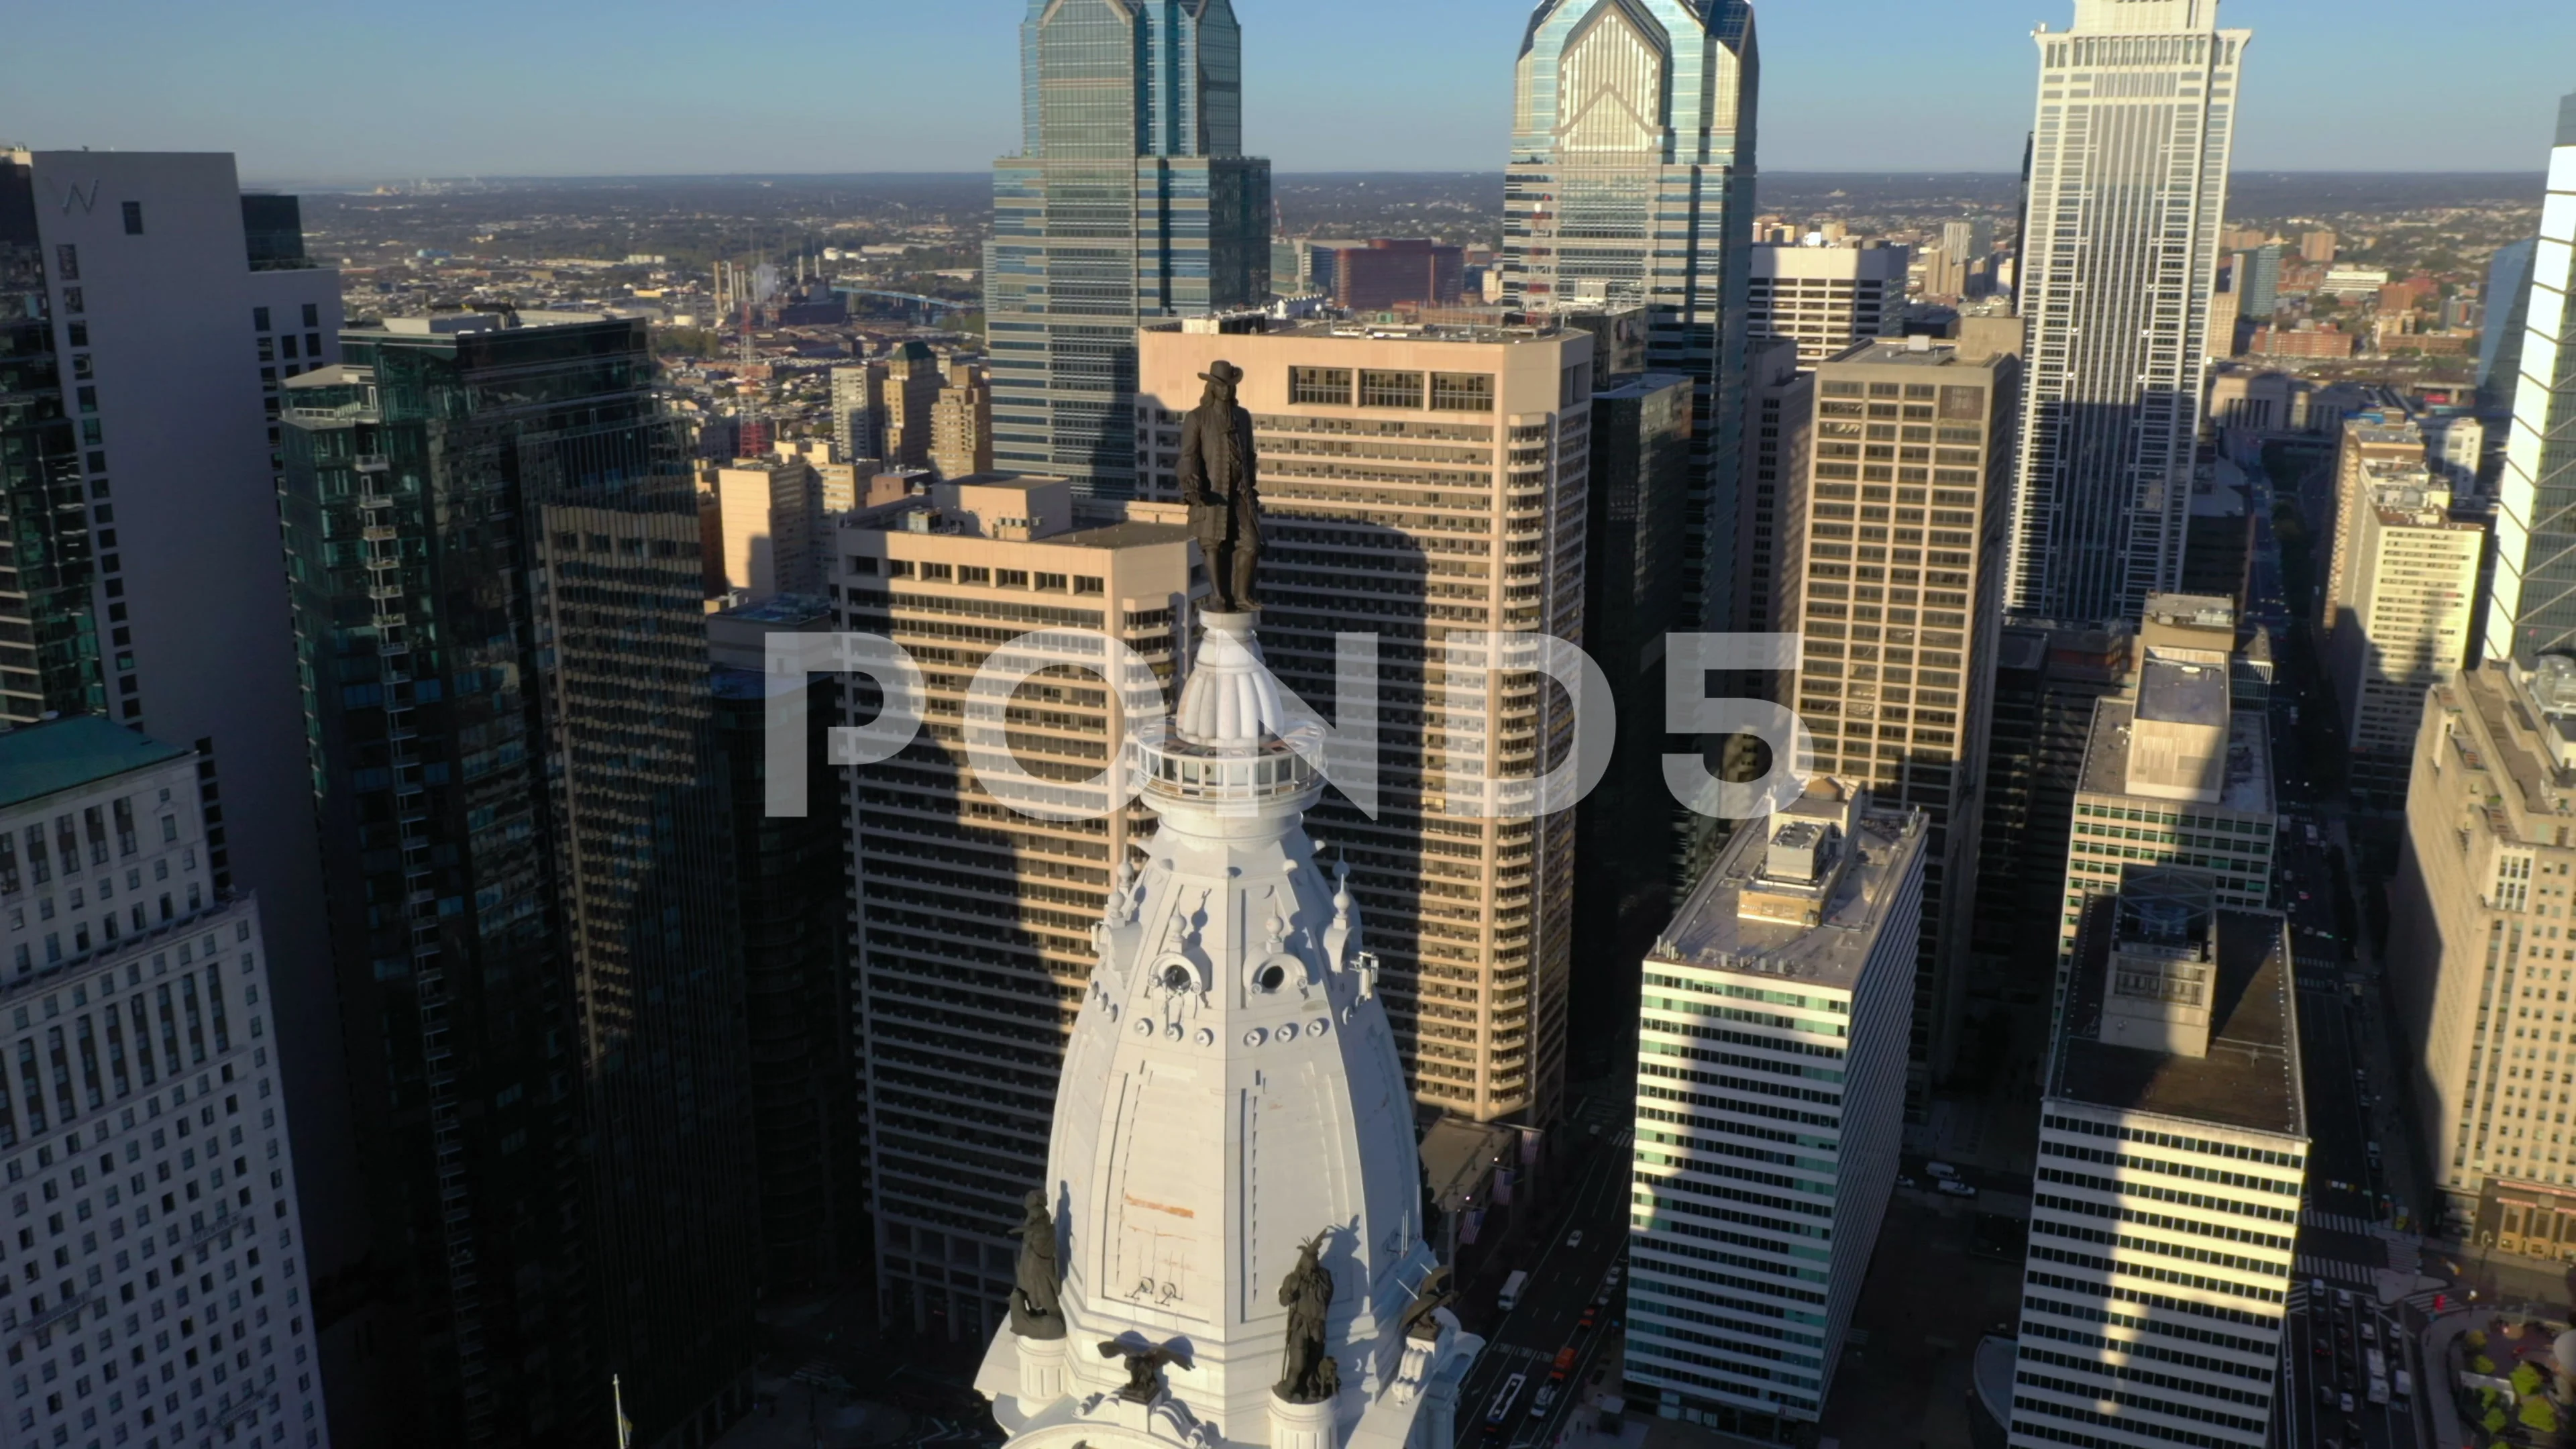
(1632, 585)
(48, 626)
(793, 900)
(493, 542)
(1131, 199)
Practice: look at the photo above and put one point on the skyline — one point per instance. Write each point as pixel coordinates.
(650, 96)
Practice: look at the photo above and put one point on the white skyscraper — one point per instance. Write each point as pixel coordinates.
(2172, 1152)
(1826, 298)
(2128, 179)
(2531, 607)
(1797, 952)
(155, 1282)
(1233, 1152)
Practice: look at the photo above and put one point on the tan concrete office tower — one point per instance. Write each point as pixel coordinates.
(2173, 1147)
(1796, 951)
(2365, 449)
(771, 511)
(858, 410)
(1418, 485)
(2177, 770)
(1899, 597)
(2411, 588)
(913, 382)
(961, 422)
(1826, 298)
(2481, 945)
(2128, 179)
(972, 937)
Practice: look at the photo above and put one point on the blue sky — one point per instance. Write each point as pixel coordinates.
(353, 90)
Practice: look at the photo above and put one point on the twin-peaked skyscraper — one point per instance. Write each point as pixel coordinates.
(1631, 183)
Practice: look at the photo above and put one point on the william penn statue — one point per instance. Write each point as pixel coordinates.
(1219, 480)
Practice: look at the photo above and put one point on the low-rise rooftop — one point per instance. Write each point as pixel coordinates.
(2250, 1077)
(2246, 785)
(1733, 920)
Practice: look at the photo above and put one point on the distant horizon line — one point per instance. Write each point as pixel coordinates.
(489, 178)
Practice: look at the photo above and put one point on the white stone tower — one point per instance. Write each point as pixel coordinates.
(1230, 1093)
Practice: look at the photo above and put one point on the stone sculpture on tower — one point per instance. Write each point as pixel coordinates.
(1233, 1195)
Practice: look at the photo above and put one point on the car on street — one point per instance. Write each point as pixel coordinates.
(2344, 1403)
(1940, 1169)
(1564, 1364)
(1547, 1396)
(1574, 1239)
(1954, 1187)
(1591, 1316)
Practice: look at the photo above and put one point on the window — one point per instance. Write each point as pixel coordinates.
(67, 262)
(1462, 392)
(259, 319)
(313, 344)
(1328, 385)
(74, 302)
(898, 568)
(134, 218)
(80, 334)
(971, 574)
(312, 314)
(936, 572)
(1390, 389)
(1051, 583)
(861, 564)
(286, 344)
(1084, 584)
(1011, 578)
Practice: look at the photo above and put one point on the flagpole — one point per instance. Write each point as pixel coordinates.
(617, 1399)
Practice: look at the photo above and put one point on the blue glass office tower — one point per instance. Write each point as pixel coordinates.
(1131, 199)
(2531, 608)
(1631, 181)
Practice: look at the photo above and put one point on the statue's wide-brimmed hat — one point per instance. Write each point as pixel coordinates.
(1224, 372)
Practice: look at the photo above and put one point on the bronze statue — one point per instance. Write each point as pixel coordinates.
(1219, 480)
(1037, 1305)
(1144, 1368)
(1434, 1295)
(1306, 1375)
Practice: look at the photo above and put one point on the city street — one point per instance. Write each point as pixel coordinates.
(1563, 1280)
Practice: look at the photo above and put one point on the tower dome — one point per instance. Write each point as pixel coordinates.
(1231, 1103)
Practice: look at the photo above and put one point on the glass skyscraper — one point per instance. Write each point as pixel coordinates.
(1631, 181)
(2128, 180)
(492, 537)
(1131, 199)
(2532, 605)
